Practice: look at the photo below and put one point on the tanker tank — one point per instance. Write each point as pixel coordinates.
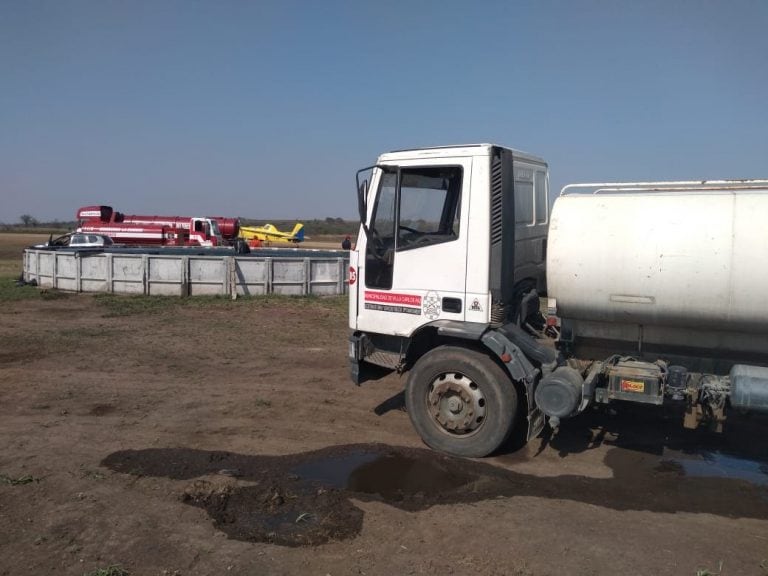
(664, 271)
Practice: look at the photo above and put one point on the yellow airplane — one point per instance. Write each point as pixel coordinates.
(269, 233)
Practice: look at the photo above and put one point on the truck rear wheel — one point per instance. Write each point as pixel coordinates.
(460, 401)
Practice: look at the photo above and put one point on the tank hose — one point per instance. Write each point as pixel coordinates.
(528, 344)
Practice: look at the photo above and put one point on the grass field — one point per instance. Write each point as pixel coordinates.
(11, 250)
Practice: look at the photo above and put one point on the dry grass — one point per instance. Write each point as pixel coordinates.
(11, 250)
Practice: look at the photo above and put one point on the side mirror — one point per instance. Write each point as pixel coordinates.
(362, 199)
(366, 174)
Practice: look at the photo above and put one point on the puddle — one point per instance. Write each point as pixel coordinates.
(308, 498)
(335, 470)
(719, 465)
(394, 476)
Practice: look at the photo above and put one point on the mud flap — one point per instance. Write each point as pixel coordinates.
(354, 372)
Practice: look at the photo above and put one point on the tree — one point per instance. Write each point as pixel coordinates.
(28, 220)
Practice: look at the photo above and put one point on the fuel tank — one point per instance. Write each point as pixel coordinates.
(686, 268)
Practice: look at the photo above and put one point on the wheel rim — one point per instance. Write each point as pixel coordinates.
(456, 404)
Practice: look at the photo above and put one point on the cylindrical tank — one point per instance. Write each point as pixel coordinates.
(559, 393)
(749, 388)
(696, 260)
(229, 227)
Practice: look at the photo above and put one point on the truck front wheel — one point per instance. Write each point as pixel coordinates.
(460, 401)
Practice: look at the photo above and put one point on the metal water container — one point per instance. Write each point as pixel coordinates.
(683, 264)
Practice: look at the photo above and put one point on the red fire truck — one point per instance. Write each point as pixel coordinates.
(157, 230)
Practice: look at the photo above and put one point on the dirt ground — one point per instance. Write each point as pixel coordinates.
(174, 437)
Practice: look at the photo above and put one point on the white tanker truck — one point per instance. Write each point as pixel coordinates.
(657, 293)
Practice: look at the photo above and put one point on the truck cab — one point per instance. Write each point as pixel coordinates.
(427, 214)
(205, 232)
(436, 259)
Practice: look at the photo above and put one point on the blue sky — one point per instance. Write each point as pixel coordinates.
(266, 109)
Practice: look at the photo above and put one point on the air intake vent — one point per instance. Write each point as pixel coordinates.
(496, 200)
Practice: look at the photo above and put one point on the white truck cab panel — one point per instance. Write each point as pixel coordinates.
(423, 254)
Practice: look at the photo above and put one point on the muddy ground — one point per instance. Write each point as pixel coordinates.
(216, 437)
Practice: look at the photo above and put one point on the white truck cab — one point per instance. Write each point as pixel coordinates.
(434, 260)
(425, 213)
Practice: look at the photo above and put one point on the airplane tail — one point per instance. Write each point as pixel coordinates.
(298, 232)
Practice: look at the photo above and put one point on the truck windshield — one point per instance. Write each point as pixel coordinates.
(215, 228)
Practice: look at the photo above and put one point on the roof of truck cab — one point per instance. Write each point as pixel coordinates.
(456, 150)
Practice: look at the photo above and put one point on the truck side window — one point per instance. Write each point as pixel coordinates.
(541, 197)
(523, 196)
(429, 206)
(542, 200)
(426, 213)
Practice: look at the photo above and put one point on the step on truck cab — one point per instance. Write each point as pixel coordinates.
(654, 291)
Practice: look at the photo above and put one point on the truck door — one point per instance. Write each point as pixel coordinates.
(412, 267)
